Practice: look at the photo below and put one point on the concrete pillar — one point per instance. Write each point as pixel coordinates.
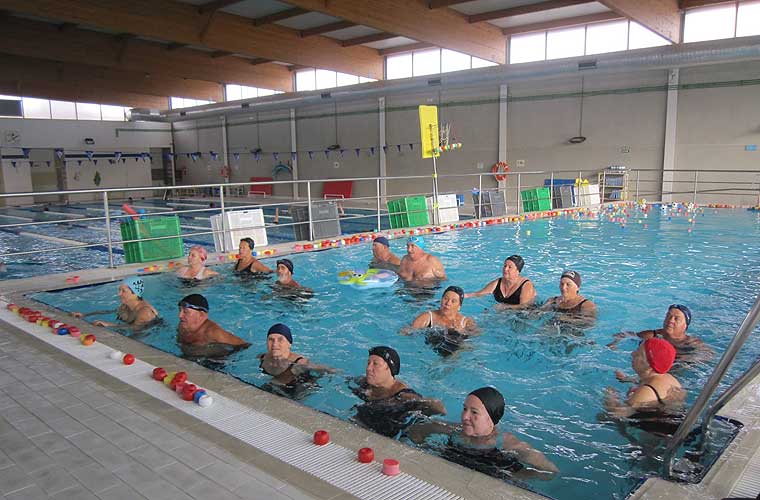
(671, 118)
(294, 147)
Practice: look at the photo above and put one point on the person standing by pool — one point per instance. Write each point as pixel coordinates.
(382, 257)
(389, 402)
(656, 389)
(196, 265)
(510, 290)
(447, 315)
(477, 442)
(133, 310)
(247, 263)
(418, 264)
(283, 365)
(196, 330)
(570, 303)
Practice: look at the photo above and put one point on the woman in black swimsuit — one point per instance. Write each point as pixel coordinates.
(570, 303)
(287, 368)
(511, 290)
(247, 264)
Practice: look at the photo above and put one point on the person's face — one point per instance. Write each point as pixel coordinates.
(125, 293)
(450, 301)
(278, 346)
(674, 323)
(475, 418)
(244, 250)
(378, 250)
(567, 287)
(414, 251)
(509, 271)
(283, 273)
(194, 257)
(191, 319)
(378, 372)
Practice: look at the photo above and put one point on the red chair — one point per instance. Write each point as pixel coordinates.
(262, 189)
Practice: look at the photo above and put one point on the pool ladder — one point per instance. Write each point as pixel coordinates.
(749, 323)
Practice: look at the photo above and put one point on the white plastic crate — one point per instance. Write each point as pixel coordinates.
(448, 210)
(239, 224)
(588, 195)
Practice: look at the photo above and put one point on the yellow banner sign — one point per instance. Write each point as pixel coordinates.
(429, 131)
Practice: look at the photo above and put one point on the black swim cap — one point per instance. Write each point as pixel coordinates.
(457, 290)
(250, 242)
(518, 262)
(287, 263)
(389, 355)
(492, 400)
(281, 329)
(194, 301)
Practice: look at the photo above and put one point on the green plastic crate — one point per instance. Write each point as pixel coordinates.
(408, 212)
(536, 200)
(152, 227)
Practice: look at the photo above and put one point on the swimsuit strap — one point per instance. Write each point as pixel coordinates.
(430, 323)
(659, 400)
(294, 362)
(405, 390)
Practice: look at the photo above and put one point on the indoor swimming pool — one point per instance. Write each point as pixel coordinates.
(553, 376)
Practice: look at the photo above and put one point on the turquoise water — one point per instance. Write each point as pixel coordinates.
(553, 380)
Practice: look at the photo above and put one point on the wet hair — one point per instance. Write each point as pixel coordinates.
(492, 400)
(250, 242)
(518, 262)
(457, 290)
(389, 355)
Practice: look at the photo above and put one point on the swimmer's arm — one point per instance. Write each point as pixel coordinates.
(614, 406)
(549, 304)
(224, 337)
(528, 455)
(428, 406)
(622, 377)
(528, 294)
(304, 365)
(403, 271)
(420, 321)
(488, 289)
(438, 271)
(210, 272)
(145, 316)
(471, 327)
(418, 433)
(394, 259)
(588, 309)
(93, 313)
(259, 267)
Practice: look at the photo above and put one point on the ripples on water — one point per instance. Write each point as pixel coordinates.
(553, 380)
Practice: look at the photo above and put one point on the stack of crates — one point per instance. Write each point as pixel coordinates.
(536, 200)
(152, 227)
(564, 192)
(408, 212)
(325, 220)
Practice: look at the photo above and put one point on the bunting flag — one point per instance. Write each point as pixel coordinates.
(144, 157)
(311, 155)
(48, 163)
(25, 152)
(79, 162)
(398, 146)
(95, 162)
(293, 155)
(411, 147)
(385, 149)
(276, 156)
(372, 151)
(124, 160)
(214, 155)
(236, 156)
(327, 154)
(342, 152)
(188, 155)
(117, 155)
(194, 157)
(256, 155)
(13, 163)
(111, 161)
(59, 153)
(89, 154)
(357, 151)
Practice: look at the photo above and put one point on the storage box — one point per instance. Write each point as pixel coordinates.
(588, 195)
(535, 200)
(238, 224)
(408, 212)
(152, 227)
(489, 204)
(447, 209)
(325, 220)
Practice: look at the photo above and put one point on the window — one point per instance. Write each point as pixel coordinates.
(639, 37)
(366, 80)
(426, 62)
(482, 63)
(305, 80)
(710, 23)
(248, 92)
(63, 110)
(346, 79)
(232, 92)
(184, 102)
(266, 92)
(325, 79)
(36, 108)
(113, 113)
(606, 37)
(565, 42)
(454, 61)
(398, 66)
(748, 19)
(87, 111)
(527, 48)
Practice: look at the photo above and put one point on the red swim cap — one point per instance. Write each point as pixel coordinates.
(660, 354)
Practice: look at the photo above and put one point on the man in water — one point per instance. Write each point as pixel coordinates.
(196, 330)
(418, 264)
(382, 257)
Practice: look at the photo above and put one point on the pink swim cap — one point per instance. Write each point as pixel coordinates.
(201, 250)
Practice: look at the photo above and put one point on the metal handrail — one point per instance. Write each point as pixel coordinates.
(749, 323)
(747, 377)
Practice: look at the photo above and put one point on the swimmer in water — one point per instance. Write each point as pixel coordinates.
(510, 290)
(134, 310)
(389, 402)
(283, 365)
(285, 275)
(247, 264)
(477, 439)
(382, 257)
(196, 332)
(570, 304)
(196, 268)
(447, 315)
(419, 265)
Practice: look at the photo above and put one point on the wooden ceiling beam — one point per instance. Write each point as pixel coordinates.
(28, 38)
(181, 23)
(691, 4)
(220, 53)
(413, 19)
(326, 28)
(660, 16)
(175, 46)
(257, 61)
(279, 16)
(215, 5)
(437, 4)
(568, 22)
(66, 27)
(377, 37)
(63, 92)
(405, 48)
(524, 9)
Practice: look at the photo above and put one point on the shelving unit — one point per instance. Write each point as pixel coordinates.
(613, 185)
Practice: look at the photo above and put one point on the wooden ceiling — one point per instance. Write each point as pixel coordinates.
(138, 53)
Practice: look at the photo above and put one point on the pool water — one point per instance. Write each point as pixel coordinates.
(633, 266)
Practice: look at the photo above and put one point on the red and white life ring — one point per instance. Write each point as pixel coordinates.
(225, 171)
(499, 170)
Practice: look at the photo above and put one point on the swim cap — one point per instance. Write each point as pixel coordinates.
(660, 354)
(136, 284)
(287, 263)
(194, 301)
(518, 261)
(417, 240)
(201, 250)
(492, 400)
(574, 276)
(250, 242)
(389, 355)
(382, 240)
(281, 329)
(457, 290)
(685, 310)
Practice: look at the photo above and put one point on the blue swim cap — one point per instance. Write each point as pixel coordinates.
(417, 240)
(382, 240)
(136, 284)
